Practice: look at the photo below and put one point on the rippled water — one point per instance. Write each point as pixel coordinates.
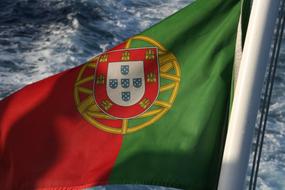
(40, 38)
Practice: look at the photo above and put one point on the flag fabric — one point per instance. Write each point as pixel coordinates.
(152, 110)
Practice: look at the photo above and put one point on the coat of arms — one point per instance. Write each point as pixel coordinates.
(132, 87)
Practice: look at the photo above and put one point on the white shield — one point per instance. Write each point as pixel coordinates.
(125, 82)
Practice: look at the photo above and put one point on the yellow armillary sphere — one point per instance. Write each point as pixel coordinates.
(99, 112)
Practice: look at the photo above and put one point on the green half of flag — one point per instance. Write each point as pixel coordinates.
(184, 148)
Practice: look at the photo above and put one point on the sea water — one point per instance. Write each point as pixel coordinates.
(39, 38)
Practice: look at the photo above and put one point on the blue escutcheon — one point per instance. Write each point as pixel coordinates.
(113, 83)
(137, 82)
(126, 96)
(125, 69)
(125, 83)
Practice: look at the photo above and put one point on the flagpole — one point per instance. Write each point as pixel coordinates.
(247, 94)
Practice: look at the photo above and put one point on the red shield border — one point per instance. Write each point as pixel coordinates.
(151, 76)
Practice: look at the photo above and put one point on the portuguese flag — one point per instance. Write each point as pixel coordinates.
(152, 110)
